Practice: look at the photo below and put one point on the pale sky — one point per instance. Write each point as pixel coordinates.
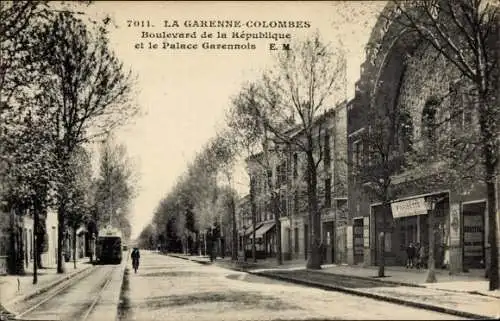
(184, 94)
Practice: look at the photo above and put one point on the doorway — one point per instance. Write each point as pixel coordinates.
(358, 240)
(473, 235)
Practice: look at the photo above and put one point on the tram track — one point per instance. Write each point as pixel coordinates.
(73, 300)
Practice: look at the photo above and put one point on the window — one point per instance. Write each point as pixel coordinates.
(295, 165)
(281, 174)
(357, 153)
(296, 202)
(462, 105)
(326, 151)
(328, 195)
(296, 239)
(282, 209)
(270, 178)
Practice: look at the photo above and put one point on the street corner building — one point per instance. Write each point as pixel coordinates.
(280, 196)
(404, 80)
(17, 242)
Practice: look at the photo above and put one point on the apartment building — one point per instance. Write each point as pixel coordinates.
(281, 172)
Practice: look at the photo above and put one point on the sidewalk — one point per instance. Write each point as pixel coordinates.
(465, 295)
(16, 288)
(472, 282)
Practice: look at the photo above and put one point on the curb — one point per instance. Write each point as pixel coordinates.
(190, 259)
(119, 296)
(114, 300)
(47, 287)
(377, 279)
(380, 297)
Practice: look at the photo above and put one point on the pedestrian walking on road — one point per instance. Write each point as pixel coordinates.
(135, 259)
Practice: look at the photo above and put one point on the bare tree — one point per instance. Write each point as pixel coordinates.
(223, 152)
(255, 142)
(115, 187)
(292, 99)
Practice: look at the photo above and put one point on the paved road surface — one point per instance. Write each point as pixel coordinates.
(175, 289)
(69, 302)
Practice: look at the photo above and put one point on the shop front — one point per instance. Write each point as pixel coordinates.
(406, 222)
(473, 234)
(268, 233)
(328, 241)
(358, 240)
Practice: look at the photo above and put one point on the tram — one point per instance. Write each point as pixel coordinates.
(109, 246)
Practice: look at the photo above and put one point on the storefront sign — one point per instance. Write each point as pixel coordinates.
(366, 232)
(416, 206)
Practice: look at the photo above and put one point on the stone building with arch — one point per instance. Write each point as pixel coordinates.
(407, 93)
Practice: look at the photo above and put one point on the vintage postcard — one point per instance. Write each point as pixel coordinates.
(241, 160)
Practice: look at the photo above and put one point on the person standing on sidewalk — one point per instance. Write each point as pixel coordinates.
(410, 253)
(421, 256)
(417, 255)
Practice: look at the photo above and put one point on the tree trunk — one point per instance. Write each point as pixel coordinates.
(493, 230)
(431, 272)
(279, 258)
(314, 259)
(11, 259)
(253, 209)
(40, 242)
(20, 270)
(60, 238)
(381, 253)
(234, 242)
(74, 247)
(36, 229)
(206, 243)
(381, 250)
(489, 131)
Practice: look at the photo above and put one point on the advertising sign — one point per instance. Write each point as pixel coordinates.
(416, 206)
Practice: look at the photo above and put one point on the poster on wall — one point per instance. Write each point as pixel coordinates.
(349, 237)
(358, 237)
(366, 232)
(454, 224)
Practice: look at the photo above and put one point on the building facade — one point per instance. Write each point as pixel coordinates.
(24, 240)
(404, 75)
(280, 175)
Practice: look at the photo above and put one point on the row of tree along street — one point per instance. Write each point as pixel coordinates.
(291, 97)
(61, 89)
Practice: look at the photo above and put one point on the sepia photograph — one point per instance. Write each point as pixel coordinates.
(249, 160)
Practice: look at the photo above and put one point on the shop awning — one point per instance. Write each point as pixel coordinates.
(249, 230)
(416, 206)
(264, 229)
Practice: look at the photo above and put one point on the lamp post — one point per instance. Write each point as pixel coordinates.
(431, 271)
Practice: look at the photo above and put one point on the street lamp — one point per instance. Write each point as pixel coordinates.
(431, 268)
